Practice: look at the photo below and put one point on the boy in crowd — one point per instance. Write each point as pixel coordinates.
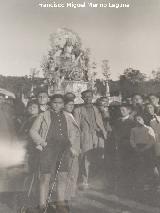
(154, 100)
(43, 100)
(124, 151)
(32, 153)
(142, 140)
(137, 105)
(149, 113)
(52, 134)
(32, 113)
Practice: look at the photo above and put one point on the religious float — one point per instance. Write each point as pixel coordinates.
(67, 67)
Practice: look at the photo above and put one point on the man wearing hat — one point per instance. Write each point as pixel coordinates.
(90, 121)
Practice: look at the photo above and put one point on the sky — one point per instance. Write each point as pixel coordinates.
(127, 37)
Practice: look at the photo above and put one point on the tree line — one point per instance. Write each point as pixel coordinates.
(130, 82)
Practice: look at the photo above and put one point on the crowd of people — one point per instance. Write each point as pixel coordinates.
(68, 144)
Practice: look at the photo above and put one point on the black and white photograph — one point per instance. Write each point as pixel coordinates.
(80, 106)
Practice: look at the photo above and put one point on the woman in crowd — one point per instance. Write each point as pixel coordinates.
(124, 156)
(155, 124)
(32, 111)
(142, 139)
(154, 100)
(137, 105)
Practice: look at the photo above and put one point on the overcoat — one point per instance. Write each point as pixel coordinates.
(40, 127)
(89, 138)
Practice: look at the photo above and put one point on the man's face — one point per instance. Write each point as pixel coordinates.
(124, 111)
(43, 98)
(57, 104)
(154, 100)
(137, 100)
(69, 106)
(150, 109)
(33, 109)
(87, 97)
(103, 107)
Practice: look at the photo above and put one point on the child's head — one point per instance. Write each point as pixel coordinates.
(125, 110)
(42, 98)
(87, 96)
(154, 99)
(137, 99)
(68, 105)
(139, 120)
(102, 104)
(149, 109)
(57, 102)
(32, 107)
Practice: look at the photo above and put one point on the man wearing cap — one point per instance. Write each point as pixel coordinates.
(90, 121)
(70, 95)
(53, 133)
